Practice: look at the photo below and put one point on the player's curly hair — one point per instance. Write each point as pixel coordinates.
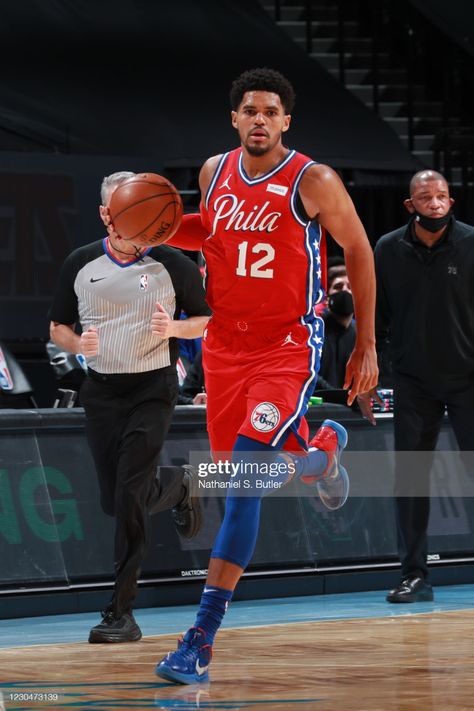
(263, 79)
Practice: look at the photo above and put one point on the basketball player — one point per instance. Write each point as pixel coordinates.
(263, 208)
(130, 342)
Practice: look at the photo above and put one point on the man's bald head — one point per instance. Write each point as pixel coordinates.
(425, 176)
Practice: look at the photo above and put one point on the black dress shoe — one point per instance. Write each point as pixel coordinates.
(187, 516)
(115, 629)
(411, 590)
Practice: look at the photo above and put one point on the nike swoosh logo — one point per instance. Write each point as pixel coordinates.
(206, 590)
(201, 670)
(99, 279)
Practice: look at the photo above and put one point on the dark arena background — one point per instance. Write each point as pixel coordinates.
(383, 89)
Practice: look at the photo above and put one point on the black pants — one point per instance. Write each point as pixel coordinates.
(418, 414)
(127, 420)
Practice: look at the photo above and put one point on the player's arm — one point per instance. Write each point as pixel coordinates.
(382, 320)
(326, 199)
(192, 231)
(190, 234)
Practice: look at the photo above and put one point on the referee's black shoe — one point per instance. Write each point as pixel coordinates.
(187, 515)
(115, 629)
(411, 590)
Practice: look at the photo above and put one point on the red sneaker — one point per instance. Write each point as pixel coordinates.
(333, 483)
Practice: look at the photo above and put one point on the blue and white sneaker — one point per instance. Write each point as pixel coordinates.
(333, 483)
(190, 662)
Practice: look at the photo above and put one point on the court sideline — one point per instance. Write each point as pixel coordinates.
(347, 651)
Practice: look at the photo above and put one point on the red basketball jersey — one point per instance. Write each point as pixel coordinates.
(263, 267)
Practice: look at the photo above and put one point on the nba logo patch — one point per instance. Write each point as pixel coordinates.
(265, 417)
(143, 282)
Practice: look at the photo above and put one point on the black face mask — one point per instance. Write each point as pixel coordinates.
(432, 224)
(341, 303)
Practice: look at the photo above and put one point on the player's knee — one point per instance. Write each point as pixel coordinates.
(241, 510)
(236, 539)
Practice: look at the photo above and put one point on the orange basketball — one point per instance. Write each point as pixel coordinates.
(146, 209)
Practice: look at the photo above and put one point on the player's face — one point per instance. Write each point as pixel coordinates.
(260, 120)
(430, 198)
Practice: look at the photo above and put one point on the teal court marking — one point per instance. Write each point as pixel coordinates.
(61, 629)
(182, 697)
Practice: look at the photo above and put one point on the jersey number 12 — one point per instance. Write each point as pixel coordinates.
(256, 267)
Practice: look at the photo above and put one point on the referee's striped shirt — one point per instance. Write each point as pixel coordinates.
(119, 299)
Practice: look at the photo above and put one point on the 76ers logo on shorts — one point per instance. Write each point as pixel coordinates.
(143, 282)
(265, 417)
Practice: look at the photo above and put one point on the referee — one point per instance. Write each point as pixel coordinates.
(128, 301)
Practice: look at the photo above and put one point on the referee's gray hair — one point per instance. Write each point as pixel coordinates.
(110, 182)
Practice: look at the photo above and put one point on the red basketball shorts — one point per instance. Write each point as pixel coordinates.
(258, 385)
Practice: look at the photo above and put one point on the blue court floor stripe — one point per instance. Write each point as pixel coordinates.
(60, 629)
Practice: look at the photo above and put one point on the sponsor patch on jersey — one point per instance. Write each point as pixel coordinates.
(277, 189)
(143, 282)
(265, 417)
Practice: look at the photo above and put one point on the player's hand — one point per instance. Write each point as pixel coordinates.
(161, 324)
(200, 399)
(89, 342)
(364, 400)
(362, 372)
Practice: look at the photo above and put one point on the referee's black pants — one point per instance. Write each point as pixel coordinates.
(127, 419)
(419, 408)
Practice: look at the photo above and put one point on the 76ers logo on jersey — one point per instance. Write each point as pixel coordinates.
(265, 417)
(143, 282)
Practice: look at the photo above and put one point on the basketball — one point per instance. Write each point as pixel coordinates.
(146, 209)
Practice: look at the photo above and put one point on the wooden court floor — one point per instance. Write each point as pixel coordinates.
(419, 662)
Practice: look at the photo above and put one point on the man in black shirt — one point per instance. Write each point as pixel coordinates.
(339, 331)
(128, 301)
(425, 315)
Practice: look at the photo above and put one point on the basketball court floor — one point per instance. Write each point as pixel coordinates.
(348, 652)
